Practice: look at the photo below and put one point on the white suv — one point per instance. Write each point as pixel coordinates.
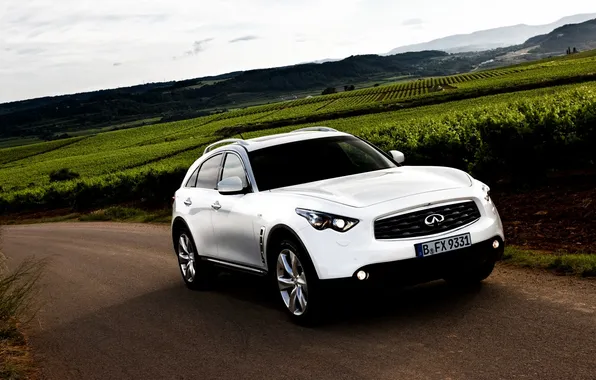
(318, 207)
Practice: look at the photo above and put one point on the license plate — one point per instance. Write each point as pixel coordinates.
(443, 245)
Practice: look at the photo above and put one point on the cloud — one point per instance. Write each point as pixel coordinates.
(30, 50)
(198, 46)
(413, 22)
(243, 38)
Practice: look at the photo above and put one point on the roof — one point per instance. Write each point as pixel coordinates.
(280, 138)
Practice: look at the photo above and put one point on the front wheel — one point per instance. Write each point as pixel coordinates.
(297, 284)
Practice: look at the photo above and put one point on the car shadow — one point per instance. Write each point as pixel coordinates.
(362, 305)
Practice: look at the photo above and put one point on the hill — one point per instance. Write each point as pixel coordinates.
(580, 36)
(492, 38)
(63, 116)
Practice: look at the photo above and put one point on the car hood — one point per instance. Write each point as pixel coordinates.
(367, 189)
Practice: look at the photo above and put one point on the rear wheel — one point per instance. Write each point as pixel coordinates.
(297, 284)
(196, 273)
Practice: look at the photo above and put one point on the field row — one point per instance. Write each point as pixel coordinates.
(420, 88)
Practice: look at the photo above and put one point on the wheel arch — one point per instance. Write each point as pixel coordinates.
(177, 224)
(275, 236)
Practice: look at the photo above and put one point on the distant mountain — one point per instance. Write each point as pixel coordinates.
(492, 38)
(581, 36)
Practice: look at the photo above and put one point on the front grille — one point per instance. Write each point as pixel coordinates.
(413, 224)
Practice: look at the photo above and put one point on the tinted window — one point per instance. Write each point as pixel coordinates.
(192, 181)
(314, 160)
(233, 167)
(207, 178)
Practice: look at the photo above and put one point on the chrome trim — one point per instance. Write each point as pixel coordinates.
(233, 265)
(424, 207)
(210, 147)
(319, 129)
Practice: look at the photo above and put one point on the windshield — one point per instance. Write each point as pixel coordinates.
(314, 160)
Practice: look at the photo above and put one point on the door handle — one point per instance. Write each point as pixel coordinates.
(188, 202)
(216, 205)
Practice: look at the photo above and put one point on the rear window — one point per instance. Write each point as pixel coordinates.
(192, 181)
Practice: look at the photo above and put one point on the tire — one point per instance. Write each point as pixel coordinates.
(300, 294)
(472, 275)
(203, 276)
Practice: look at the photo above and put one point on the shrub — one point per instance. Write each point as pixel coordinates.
(64, 174)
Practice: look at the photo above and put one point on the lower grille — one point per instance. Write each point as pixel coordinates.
(427, 222)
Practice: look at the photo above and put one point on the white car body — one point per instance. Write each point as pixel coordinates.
(235, 230)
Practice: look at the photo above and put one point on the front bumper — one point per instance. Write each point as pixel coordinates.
(424, 269)
(337, 255)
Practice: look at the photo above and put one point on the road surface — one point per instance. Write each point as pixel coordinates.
(114, 307)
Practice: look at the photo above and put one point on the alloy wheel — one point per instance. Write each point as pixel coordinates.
(291, 280)
(186, 258)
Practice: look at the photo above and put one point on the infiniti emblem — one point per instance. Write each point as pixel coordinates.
(434, 219)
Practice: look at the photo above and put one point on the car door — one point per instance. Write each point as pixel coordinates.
(198, 199)
(234, 225)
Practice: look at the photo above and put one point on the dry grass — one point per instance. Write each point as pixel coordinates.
(16, 361)
(18, 290)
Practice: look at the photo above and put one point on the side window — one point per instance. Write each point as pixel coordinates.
(192, 181)
(208, 172)
(233, 167)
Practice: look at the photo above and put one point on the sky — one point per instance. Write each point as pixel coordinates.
(51, 47)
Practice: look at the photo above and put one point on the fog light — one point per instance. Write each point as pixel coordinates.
(361, 275)
(495, 244)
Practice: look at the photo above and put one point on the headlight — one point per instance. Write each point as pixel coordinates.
(321, 220)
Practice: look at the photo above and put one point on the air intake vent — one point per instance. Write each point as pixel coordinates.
(262, 244)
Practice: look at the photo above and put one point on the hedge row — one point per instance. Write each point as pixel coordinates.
(521, 141)
(151, 187)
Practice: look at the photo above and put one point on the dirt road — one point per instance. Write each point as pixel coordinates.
(115, 308)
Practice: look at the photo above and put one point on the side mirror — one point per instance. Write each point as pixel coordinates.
(230, 185)
(397, 156)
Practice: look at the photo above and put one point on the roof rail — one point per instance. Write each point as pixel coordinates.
(210, 147)
(320, 129)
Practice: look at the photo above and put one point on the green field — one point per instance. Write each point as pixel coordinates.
(489, 135)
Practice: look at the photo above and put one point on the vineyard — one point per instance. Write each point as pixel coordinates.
(428, 87)
(486, 135)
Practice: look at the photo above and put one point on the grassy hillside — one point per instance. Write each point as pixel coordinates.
(485, 134)
(55, 117)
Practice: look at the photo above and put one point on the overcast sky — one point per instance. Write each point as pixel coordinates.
(50, 47)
